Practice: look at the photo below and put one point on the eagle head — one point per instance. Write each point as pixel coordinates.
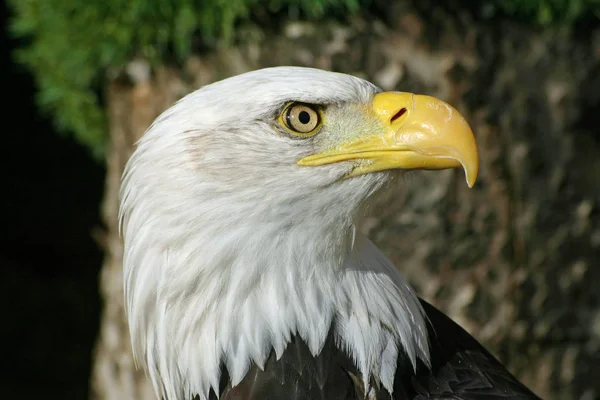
(238, 212)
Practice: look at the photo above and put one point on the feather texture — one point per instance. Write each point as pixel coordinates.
(462, 370)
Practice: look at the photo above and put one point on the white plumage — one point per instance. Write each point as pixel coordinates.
(231, 247)
(229, 242)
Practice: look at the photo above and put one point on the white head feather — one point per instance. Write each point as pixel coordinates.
(231, 248)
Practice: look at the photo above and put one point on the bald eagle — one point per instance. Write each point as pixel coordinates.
(245, 275)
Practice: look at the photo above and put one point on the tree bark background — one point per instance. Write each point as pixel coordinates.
(513, 260)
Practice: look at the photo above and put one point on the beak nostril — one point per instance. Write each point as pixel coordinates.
(400, 113)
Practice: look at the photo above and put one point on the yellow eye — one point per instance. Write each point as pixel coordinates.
(302, 119)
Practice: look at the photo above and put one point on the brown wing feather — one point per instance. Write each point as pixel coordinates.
(298, 375)
(462, 368)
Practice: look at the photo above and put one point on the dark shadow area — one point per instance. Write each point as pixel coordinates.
(51, 192)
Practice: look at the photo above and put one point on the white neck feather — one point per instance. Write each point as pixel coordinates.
(232, 294)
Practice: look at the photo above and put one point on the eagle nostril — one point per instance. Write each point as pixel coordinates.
(400, 113)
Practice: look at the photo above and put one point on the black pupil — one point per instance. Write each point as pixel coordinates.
(304, 117)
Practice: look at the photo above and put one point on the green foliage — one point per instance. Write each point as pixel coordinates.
(72, 44)
(549, 12)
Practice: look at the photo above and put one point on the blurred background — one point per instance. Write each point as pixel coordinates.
(515, 260)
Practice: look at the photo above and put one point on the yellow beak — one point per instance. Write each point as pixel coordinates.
(420, 132)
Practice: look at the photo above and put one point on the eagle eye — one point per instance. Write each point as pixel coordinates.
(301, 119)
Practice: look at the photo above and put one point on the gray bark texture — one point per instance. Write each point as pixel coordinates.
(513, 260)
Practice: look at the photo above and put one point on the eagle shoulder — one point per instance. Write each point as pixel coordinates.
(462, 369)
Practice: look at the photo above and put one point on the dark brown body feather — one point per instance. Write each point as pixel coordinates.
(461, 370)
